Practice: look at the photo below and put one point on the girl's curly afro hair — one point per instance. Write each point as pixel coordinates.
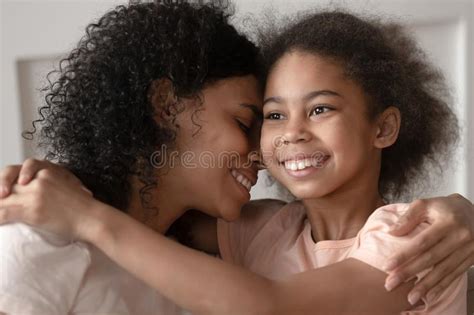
(98, 120)
(393, 71)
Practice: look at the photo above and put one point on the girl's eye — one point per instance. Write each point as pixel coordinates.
(320, 110)
(274, 116)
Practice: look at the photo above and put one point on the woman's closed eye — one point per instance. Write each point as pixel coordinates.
(245, 128)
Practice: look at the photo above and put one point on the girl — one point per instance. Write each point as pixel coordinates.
(306, 144)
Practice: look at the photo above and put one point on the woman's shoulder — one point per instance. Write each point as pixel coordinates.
(30, 259)
(31, 246)
(12, 235)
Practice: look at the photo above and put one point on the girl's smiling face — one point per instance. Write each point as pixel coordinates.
(317, 137)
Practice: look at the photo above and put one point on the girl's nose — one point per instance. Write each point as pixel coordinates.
(295, 132)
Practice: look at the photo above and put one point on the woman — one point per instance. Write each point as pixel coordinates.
(146, 76)
(171, 279)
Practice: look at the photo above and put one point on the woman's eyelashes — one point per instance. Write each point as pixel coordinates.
(245, 128)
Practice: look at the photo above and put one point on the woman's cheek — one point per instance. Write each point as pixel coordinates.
(237, 145)
(266, 143)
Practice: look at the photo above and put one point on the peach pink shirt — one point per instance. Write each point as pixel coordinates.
(276, 241)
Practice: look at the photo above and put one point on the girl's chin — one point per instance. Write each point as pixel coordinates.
(308, 192)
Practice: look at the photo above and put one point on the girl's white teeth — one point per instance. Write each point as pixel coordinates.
(242, 179)
(302, 164)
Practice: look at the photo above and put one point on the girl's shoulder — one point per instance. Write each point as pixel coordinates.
(261, 221)
(262, 205)
(264, 210)
(387, 214)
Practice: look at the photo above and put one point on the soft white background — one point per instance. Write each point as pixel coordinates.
(35, 33)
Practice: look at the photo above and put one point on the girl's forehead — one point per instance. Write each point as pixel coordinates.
(301, 63)
(302, 72)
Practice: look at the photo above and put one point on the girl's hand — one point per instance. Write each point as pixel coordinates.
(23, 174)
(447, 244)
(53, 202)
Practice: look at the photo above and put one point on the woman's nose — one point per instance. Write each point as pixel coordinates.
(255, 158)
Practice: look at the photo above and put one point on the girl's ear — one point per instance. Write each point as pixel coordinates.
(388, 127)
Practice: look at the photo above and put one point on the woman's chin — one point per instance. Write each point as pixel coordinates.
(231, 213)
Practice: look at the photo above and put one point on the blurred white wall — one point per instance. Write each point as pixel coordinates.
(35, 33)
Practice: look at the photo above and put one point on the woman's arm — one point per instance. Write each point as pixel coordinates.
(206, 285)
(32, 212)
(194, 280)
(448, 243)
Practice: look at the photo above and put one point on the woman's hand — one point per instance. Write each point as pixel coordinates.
(54, 200)
(447, 244)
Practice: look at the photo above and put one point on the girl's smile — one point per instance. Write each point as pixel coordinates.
(301, 165)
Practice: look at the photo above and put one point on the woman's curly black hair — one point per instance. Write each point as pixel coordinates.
(99, 120)
(392, 70)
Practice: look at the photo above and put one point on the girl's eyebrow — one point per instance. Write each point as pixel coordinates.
(317, 93)
(273, 99)
(255, 110)
(307, 97)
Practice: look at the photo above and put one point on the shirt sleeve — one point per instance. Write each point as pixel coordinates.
(39, 273)
(235, 237)
(374, 245)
